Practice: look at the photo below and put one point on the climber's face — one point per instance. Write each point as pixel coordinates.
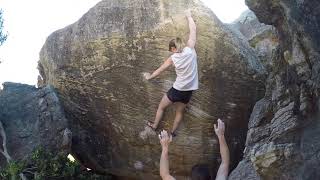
(173, 49)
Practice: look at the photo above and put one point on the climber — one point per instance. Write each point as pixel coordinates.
(184, 59)
(199, 172)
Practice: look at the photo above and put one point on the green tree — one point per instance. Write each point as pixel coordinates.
(3, 36)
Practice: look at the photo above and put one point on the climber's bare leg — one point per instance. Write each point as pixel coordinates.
(180, 107)
(164, 103)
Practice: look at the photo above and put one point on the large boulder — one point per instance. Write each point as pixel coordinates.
(96, 65)
(31, 119)
(283, 139)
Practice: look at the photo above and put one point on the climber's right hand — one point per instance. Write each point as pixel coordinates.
(147, 76)
(188, 13)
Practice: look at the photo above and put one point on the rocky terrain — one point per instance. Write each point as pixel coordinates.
(260, 74)
(31, 118)
(263, 38)
(283, 136)
(96, 65)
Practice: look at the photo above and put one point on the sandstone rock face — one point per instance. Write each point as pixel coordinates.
(32, 118)
(283, 136)
(263, 38)
(96, 65)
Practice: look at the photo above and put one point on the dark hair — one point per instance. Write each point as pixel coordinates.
(176, 43)
(200, 172)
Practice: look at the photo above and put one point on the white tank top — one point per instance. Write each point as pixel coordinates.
(186, 69)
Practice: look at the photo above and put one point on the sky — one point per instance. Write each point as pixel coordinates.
(30, 22)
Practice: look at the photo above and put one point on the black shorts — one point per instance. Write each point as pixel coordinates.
(179, 96)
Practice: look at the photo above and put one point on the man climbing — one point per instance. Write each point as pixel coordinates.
(198, 172)
(184, 59)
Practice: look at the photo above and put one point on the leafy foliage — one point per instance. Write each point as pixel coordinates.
(12, 170)
(3, 37)
(45, 165)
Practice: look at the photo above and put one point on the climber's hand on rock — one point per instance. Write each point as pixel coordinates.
(220, 129)
(188, 13)
(147, 76)
(165, 139)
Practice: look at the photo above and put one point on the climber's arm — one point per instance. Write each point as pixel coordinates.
(164, 165)
(193, 31)
(164, 160)
(223, 170)
(167, 63)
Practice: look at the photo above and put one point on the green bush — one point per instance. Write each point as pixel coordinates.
(45, 165)
(12, 170)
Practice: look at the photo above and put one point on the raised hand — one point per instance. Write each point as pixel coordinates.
(220, 129)
(188, 13)
(165, 139)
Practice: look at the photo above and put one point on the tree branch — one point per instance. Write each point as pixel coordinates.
(4, 144)
(4, 151)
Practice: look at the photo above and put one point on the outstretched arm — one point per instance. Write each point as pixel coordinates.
(157, 72)
(193, 31)
(224, 152)
(164, 160)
